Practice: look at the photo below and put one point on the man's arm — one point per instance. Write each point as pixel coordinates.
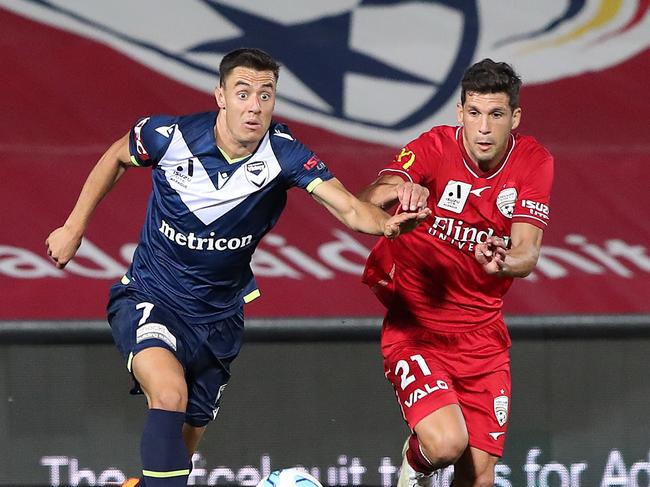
(386, 190)
(519, 260)
(361, 216)
(63, 242)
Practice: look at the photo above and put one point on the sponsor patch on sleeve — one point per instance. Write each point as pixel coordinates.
(314, 162)
(143, 155)
(534, 209)
(406, 158)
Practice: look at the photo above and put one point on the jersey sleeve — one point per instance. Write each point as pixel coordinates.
(302, 167)
(413, 162)
(533, 201)
(149, 139)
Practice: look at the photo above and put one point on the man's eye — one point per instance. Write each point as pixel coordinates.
(242, 95)
(265, 97)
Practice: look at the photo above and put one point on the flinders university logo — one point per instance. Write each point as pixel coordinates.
(378, 70)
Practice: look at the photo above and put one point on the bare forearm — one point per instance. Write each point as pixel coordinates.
(519, 262)
(63, 242)
(361, 217)
(381, 194)
(388, 190)
(108, 170)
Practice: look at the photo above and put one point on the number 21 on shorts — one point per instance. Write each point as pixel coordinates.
(403, 370)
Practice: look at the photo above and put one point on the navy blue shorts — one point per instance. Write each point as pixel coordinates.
(205, 351)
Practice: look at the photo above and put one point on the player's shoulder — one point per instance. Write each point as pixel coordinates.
(154, 131)
(442, 132)
(532, 148)
(152, 122)
(280, 135)
(150, 137)
(200, 119)
(284, 143)
(155, 136)
(165, 124)
(436, 139)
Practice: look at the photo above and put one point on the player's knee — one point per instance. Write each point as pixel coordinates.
(443, 448)
(169, 399)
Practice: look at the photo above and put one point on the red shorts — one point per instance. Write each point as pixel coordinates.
(430, 370)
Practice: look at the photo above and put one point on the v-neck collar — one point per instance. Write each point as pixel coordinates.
(473, 168)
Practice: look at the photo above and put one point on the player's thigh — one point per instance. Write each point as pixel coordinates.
(208, 372)
(154, 342)
(162, 378)
(485, 402)
(137, 323)
(422, 382)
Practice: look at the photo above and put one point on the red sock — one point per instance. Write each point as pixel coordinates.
(416, 458)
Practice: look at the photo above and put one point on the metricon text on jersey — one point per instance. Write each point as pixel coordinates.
(191, 241)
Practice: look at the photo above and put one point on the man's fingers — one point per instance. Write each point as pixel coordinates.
(483, 253)
(405, 222)
(419, 216)
(424, 213)
(412, 196)
(497, 242)
(418, 198)
(405, 197)
(422, 195)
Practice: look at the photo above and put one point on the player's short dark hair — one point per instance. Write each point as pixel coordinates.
(247, 57)
(488, 76)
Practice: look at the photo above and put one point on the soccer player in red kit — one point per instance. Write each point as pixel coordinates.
(444, 341)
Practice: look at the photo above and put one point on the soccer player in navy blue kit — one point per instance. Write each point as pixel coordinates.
(220, 182)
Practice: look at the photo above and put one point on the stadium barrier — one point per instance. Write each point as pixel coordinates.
(311, 392)
(337, 329)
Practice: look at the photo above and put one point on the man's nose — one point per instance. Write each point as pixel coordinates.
(254, 105)
(484, 127)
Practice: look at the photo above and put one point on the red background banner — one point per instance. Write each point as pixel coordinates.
(66, 98)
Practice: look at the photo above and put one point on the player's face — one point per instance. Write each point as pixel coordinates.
(487, 120)
(246, 100)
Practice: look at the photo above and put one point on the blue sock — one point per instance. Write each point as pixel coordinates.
(164, 455)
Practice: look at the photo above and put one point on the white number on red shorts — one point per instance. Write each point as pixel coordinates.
(402, 369)
(146, 307)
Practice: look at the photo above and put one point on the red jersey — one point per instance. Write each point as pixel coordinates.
(430, 276)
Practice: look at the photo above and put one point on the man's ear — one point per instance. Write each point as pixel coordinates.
(220, 98)
(516, 118)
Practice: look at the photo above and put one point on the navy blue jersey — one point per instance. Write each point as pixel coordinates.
(206, 214)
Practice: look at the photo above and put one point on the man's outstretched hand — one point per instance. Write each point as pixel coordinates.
(491, 254)
(405, 222)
